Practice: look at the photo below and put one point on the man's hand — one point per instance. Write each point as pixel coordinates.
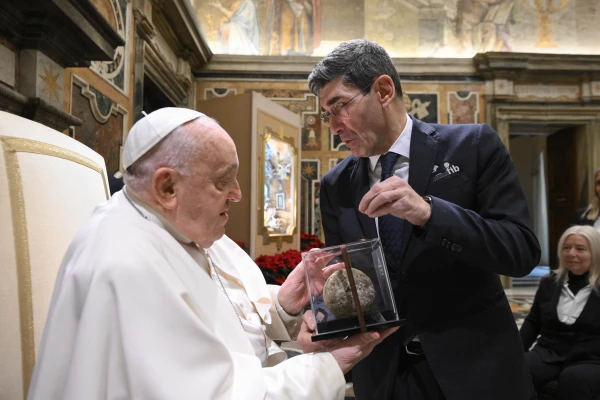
(293, 295)
(395, 196)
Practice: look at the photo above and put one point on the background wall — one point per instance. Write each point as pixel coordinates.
(432, 102)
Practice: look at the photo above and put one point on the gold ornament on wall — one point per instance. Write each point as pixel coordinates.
(545, 8)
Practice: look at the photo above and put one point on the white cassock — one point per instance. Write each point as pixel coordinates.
(136, 315)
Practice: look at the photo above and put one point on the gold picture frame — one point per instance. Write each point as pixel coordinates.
(278, 187)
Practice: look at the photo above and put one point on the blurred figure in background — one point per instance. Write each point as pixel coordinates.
(590, 215)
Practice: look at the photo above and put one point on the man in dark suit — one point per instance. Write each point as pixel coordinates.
(447, 204)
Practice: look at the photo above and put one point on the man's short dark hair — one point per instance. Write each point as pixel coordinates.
(359, 62)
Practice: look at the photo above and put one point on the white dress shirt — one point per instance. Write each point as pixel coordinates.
(402, 147)
(570, 306)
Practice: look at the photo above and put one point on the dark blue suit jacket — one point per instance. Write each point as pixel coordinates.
(448, 284)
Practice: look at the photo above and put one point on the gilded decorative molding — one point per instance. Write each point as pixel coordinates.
(21, 239)
(20, 145)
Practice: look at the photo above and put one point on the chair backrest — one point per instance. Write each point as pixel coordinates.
(49, 186)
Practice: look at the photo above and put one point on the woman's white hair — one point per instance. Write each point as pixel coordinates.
(178, 150)
(593, 238)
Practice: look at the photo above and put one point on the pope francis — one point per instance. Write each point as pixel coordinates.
(152, 301)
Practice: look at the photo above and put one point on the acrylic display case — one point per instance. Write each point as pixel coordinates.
(349, 289)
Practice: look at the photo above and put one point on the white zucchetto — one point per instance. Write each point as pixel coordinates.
(148, 131)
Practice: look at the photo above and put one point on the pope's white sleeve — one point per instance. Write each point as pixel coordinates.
(156, 345)
(307, 376)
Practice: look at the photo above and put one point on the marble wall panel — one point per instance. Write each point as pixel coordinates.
(104, 122)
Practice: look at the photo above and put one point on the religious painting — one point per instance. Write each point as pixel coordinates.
(293, 27)
(272, 27)
(104, 122)
(232, 26)
(407, 28)
(309, 172)
(423, 106)
(463, 107)
(278, 179)
(115, 72)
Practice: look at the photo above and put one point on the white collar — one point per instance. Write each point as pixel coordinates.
(401, 145)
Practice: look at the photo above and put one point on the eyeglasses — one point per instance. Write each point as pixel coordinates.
(338, 107)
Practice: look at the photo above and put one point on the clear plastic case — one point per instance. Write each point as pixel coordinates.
(346, 303)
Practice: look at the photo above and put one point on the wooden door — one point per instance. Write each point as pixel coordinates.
(562, 186)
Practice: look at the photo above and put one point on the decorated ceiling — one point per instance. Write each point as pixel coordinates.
(406, 28)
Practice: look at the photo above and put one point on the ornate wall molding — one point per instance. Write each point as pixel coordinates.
(101, 117)
(568, 92)
(116, 72)
(303, 65)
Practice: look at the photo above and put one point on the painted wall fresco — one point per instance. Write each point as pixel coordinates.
(434, 102)
(406, 28)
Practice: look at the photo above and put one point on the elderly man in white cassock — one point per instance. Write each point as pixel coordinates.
(153, 301)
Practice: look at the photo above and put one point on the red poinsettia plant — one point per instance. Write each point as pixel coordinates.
(277, 267)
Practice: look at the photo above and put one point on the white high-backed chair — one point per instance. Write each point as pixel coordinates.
(49, 185)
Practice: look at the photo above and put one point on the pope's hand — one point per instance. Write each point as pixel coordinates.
(396, 197)
(293, 295)
(307, 330)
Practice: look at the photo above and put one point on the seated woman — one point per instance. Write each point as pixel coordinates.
(566, 317)
(590, 215)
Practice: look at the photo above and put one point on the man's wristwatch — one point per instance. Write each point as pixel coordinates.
(428, 199)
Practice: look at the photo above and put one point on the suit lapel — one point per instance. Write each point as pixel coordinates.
(423, 150)
(360, 181)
